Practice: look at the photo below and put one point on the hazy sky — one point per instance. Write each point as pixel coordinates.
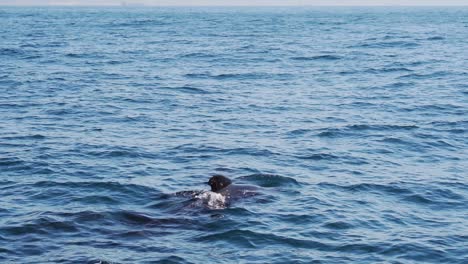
(235, 2)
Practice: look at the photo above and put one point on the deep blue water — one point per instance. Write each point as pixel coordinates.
(353, 122)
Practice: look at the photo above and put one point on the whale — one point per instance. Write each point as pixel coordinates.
(223, 192)
(223, 185)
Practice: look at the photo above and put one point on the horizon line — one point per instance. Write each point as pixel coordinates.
(224, 5)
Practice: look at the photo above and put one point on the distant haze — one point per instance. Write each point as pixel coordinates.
(235, 2)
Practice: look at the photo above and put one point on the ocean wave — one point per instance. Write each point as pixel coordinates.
(28, 137)
(139, 23)
(270, 180)
(432, 195)
(39, 226)
(387, 70)
(389, 44)
(199, 55)
(11, 52)
(192, 148)
(432, 75)
(347, 159)
(250, 238)
(237, 76)
(318, 58)
(187, 89)
(436, 38)
(361, 128)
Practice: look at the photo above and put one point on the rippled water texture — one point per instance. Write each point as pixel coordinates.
(351, 122)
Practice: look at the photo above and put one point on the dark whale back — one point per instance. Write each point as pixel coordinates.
(235, 191)
(223, 185)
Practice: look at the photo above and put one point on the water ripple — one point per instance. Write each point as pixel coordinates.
(350, 122)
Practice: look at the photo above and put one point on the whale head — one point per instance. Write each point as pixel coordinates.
(218, 182)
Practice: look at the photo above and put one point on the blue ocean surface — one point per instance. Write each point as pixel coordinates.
(351, 122)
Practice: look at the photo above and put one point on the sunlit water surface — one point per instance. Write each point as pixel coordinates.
(352, 122)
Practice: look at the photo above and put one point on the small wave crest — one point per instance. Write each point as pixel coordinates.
(270, 180)
(317, 58)
(389, 44)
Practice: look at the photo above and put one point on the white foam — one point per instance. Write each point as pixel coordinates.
(212, 200)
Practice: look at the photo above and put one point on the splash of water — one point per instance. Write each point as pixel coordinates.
(212, 200)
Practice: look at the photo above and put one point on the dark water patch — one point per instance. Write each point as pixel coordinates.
(115, 62)
(442, 198)
(13, 161)
(417, 76)
(415, 198)
(191, 148)
(387, 70)
(323, 156)
(414, 252)
(11, 52)
(299, 132)
(433, 196)
(362, 248)
(173, 260)
(388, 44)
(199, 55)
(237, 76)
(4, 212)
(10, 84)
(434, 107)
(64, 111)
(139, 219)
(441, 144)
(15, 164)
(186, 89)
(139, 23)
(92, 261)
(398, 85)
(393, 140)
(108, 151)
(74, 55)
(239, 212)
(319, 156)
(339, 225)
(395, 189)
(136, 224)
(95, 199)
(298, 218)
(381, 127)
(39, 226)
(117, 153)
(436, 38)
(247, 238)
(332, 133)
(85, 55)
(84, 217)
(361, 128)
(318, 58)
(5, 251)
(133, 218)
(461, 124)
(7, 183)
(105, 192)
(28, 137)
(359, 105)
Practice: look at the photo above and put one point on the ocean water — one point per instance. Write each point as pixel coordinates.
(352, 122)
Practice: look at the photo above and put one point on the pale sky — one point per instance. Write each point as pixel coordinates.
(236, 2)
